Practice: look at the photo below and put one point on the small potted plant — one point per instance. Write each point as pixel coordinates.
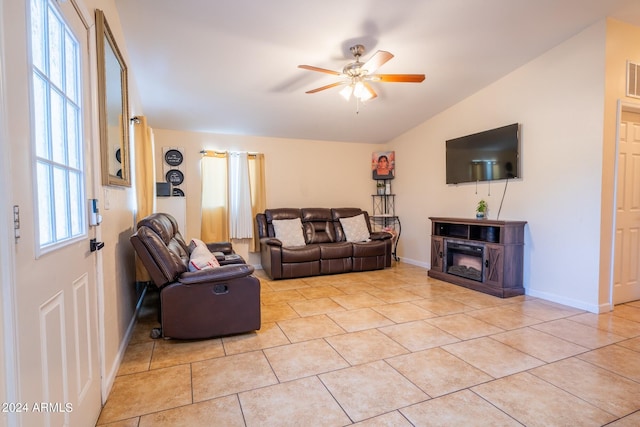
(481, 209)
(381, 187)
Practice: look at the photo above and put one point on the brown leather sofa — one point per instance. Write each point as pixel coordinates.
(326, 249)
(207, 303)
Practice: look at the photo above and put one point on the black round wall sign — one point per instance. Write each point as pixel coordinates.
(118, 156)
(175, 177)
(178, 192)
(173, 157)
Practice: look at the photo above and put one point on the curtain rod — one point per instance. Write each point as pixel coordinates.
(214, 153)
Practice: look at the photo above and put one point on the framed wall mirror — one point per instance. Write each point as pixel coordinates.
(113, 107)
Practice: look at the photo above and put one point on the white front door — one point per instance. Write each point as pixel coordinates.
(626, 281)
(55, 284)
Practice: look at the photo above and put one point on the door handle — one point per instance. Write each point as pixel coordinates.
(95, 245)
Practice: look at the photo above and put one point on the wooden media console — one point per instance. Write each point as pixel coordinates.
(480, 254)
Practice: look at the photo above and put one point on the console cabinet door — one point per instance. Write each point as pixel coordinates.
(493, 265)
(437, 250)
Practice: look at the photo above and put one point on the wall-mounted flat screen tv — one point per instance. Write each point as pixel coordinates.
(484, 156)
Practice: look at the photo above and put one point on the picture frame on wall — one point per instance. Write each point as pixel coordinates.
(174, 158)
(383, 164)
(175, 177)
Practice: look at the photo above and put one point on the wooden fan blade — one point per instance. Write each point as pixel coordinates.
(321, 70)
(325, 87)
(376, 61)
(398, 78)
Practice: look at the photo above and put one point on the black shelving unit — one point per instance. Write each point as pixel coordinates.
(384, 218)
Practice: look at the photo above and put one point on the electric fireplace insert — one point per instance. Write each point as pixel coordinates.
(465, 260)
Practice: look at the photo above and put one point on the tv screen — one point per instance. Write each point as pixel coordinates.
(484, 156)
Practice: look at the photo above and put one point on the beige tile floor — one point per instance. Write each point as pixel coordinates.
(388, 348)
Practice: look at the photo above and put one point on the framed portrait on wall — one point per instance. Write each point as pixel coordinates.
(383, 164)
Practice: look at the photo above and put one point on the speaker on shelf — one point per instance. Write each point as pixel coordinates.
(163, 189)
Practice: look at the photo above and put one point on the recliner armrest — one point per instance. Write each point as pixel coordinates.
(224, 247)
(271, 241)
(380, 235)
(222, 273)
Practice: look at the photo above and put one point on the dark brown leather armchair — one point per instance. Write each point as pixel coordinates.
(200, 304)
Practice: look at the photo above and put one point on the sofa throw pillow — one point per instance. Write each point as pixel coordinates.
(202, 259)
(289, 232)
(355, 228)
(196, 242)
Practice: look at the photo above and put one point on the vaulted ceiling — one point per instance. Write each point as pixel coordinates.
(230, 66)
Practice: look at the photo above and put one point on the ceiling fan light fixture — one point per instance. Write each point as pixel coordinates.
(358, 90)
(362, 92)
(346, 92)
(359, 75)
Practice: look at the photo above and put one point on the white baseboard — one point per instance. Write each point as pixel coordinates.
(601, 308)
(416, 263)
(110, 377)
(568, 301)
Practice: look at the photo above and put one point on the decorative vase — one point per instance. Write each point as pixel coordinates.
(480, 215)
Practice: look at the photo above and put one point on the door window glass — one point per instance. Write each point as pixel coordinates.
(56, 113)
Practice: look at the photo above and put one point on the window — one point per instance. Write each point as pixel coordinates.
(57, 127)
(232, 194)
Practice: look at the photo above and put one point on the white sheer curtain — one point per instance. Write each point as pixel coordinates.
(240, 214)
(233, 192)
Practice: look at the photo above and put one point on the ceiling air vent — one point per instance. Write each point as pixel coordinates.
(633, 79)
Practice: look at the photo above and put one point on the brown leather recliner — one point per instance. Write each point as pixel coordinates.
(202, 304)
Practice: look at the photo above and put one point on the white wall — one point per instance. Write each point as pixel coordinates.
(558, 99)
(623, 44)
(298, 173)
(118, 293)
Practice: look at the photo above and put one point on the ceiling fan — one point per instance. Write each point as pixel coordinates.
(358, 75)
